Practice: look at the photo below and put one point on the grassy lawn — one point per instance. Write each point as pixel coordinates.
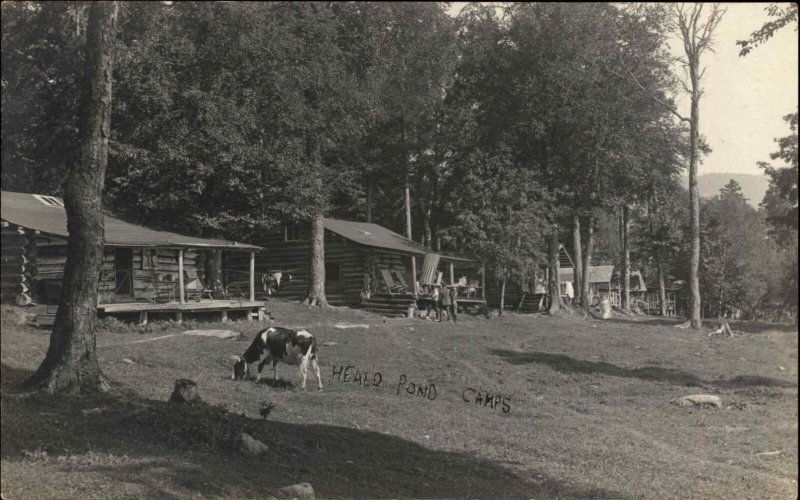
(577, 409)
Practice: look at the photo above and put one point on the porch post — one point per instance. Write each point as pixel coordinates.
(452, 275)
(181, 291)
(483, 281)
(252, 276)
(414, 274)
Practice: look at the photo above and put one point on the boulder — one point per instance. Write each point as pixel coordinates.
(698, 400)
(248, 445)
(185, 391)
(300, 491)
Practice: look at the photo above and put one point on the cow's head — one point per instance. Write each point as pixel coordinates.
(240, 368)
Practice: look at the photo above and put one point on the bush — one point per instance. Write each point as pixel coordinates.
(110, 324)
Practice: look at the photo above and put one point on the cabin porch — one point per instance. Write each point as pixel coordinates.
(255, 310)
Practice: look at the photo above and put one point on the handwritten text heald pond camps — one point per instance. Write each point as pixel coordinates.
(349, 374)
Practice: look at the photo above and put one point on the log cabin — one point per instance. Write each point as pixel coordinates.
(527, 296)
(143, 270)
(365, 264)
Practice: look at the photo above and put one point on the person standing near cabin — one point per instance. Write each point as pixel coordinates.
(435, 300)
(448, 304)
(569, 292)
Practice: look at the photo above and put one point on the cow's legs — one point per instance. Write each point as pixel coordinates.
(316, 372)
(304, 371)
(261, 366)
(274, 370)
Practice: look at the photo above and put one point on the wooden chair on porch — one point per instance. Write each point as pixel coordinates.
(428, 274)
(195, 289)
(391, 286)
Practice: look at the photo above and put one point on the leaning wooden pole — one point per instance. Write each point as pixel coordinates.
(252, 276)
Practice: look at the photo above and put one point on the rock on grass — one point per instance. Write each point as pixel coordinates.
(300, 491)
(185, 391)
(248, 445)
(698, 400)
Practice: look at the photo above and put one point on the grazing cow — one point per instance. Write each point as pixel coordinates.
(292, 347)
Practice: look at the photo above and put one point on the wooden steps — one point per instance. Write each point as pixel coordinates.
(390, 305)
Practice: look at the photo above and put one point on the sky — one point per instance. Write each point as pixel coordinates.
(746, 98)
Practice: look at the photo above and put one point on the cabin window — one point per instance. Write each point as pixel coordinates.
(292, 233)
(149, 259)
(50, 201)
(332, 272)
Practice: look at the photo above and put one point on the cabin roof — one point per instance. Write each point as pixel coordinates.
(637, 282)
(47, 214)
(597, 274)
(373, 235)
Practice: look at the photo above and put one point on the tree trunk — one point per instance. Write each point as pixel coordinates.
(502, 297)
(316, 289)
(554, 285)
(626, 258)
(213, 270)
(577, 280)
(427, 234)
(71, 362)
(370, 188)
(721, 311)
(662, 287)
(437, 239)
(408, 210)
(520, 297)
(587, 263)
(694, 200)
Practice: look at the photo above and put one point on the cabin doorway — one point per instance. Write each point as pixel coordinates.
(123, 272)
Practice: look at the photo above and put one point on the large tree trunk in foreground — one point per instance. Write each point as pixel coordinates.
(316, 289)
(554, 285)
(71, 362)
(587, 263)
(626, 259)
(577, 259)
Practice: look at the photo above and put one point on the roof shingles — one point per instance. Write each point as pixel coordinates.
(27, 211)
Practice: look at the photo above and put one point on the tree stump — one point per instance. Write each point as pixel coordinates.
(185, 391)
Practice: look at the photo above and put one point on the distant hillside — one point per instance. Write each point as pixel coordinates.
(753, 186)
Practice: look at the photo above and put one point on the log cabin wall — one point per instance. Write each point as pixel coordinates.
(345, 267)
(279, 255)
(358, 267)
(344, 262)
(15, 273)
(493, 287)
(31, 262)
(392, 262)
(165, 268)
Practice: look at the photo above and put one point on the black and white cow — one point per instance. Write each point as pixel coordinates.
(293, 347)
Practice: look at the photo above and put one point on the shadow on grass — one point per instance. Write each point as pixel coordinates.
(759, 326)
(566, 364)
(647, 320)
(186, 449)
(739, 326)
(280, 383)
